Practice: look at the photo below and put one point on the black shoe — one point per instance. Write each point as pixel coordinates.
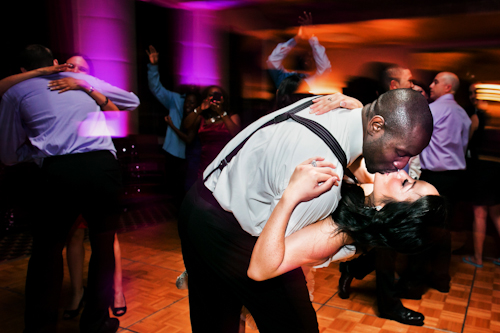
(111, 325)
(120, 311)
(404, 316)
(70, 314)
(345, 283)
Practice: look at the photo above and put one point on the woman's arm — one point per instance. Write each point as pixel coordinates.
(183, 136)
(232, 122)
(330, 102)
(275, 254)
(474, 125)
(70, 83)
(12, 80)
(191, 123)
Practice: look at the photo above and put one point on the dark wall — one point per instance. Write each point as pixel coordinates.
(21, 24)
(154, 26)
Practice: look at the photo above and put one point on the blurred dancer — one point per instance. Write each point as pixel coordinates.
(318, 59)
(485, 199)
(80, 175)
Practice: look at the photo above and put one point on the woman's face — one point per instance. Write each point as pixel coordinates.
(399, 186)
(79, 65)
(211, 92)
(190, 103)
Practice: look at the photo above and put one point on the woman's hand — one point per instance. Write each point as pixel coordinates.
(153, 55)
(309, 181)
(68, 83)
(169, 122)
(53, 69)
(216, 106)
(329, 102)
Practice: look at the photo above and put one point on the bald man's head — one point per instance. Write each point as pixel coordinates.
(396, 77)
(444, 83)
(397, 126)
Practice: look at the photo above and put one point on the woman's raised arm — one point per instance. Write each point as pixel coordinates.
(12, 80)
(275, 254)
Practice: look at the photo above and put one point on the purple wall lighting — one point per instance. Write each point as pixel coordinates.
(198, 48)
(105, 32)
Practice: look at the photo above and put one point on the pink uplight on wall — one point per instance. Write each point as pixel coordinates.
(198, 48)
(105, 32)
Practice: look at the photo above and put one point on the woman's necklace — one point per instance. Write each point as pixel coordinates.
(219, 116)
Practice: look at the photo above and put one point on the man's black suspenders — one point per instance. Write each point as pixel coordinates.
(316, 128)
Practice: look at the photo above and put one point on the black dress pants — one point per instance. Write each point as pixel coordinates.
(87, 184)
(432, 266)
(217, 253)
(383, 261)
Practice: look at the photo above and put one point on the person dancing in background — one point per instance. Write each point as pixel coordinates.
(214, 124)
(75, 251)
(80, 173)
(318, 60)
(178, 148)
(485, 199)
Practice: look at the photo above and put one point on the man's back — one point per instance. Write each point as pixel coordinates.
(252, 184)
(52, 121)
(446, 151)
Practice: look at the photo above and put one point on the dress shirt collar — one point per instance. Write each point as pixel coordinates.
(445, 97)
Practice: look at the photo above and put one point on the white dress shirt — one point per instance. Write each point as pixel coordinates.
(251, 185)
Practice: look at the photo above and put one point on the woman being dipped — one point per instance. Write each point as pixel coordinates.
(398, 212)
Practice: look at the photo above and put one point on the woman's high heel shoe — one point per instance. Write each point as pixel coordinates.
(118, 312)
(70, 314)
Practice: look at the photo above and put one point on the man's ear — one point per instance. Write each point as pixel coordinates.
(394, 85)
(448, 89)
(23, 70)
(55, 62)
(376, 126)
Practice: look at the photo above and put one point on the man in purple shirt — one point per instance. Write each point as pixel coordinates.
(443, 165)
(80, 175)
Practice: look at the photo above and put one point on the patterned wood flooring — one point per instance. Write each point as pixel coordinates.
(152, 260)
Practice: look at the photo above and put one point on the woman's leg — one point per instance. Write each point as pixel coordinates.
(75, 256)
(119, 299)
(479, 232)
(495, 216)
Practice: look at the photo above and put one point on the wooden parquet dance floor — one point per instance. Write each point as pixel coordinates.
(152, 260)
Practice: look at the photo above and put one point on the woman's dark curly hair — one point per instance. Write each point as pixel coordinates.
(404, 226)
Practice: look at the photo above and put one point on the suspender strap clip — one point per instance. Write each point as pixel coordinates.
(222, 164)
(281, 117)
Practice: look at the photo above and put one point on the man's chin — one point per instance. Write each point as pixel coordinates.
(382, 171)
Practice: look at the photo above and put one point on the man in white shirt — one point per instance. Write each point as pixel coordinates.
(221, 218)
